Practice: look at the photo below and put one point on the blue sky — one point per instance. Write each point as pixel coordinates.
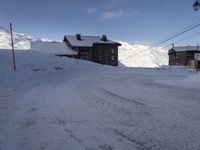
(134, 21)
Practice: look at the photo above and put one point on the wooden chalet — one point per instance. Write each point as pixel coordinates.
(98, 49)
(184, 56)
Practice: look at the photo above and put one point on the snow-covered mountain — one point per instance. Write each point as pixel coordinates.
(21, 40)
(129, 55)
(138, 55)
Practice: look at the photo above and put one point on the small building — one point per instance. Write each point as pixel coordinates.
(184, 56)
(94, 48)
(55, 48)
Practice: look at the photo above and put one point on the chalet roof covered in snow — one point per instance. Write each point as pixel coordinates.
(88, 41)
(56, 48)
(185, 48)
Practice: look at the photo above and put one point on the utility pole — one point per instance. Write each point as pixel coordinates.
(197, 59)
(196, 7)
(12, 43)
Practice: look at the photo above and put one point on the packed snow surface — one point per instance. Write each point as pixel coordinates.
(129, 55)
(53, 103)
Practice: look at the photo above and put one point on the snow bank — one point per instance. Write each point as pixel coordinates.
(28, 60)
(182, 77)
(32, 63)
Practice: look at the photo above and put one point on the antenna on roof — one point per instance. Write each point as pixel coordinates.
(65, 39)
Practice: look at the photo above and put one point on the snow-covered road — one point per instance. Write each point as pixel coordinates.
(100, 109)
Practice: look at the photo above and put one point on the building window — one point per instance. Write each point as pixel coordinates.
(112, 58)
(99, 51)
(113, 51)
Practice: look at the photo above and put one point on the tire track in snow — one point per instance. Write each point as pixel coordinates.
(140, 145)
(117, 112)
(122, 98)
(97, 97)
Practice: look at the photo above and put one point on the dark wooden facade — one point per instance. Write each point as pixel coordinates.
(182, 58)
(103, 52)
(84, 53)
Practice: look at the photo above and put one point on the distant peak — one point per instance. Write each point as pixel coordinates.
(3, 29)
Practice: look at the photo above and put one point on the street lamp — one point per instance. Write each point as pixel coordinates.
(196, 5)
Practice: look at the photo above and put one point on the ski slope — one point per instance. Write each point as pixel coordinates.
(129, 55)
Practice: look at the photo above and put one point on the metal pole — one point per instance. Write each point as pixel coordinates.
(197, 61)
(12, 43)
(77, 55)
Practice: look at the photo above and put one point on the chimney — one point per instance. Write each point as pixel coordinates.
(104, 38)
(78, 37)
(65, 39)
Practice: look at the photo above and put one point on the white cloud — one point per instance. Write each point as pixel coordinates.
(113, 14)
(90, 10)
(116, 2)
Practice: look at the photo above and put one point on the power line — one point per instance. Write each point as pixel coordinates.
(164, 41)
(176, 35)
(179, 31)
(188, 37)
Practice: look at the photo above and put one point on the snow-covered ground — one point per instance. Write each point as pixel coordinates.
(54, 103)
(129, 55)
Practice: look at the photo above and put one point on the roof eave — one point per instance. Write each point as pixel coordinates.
(111, 43)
